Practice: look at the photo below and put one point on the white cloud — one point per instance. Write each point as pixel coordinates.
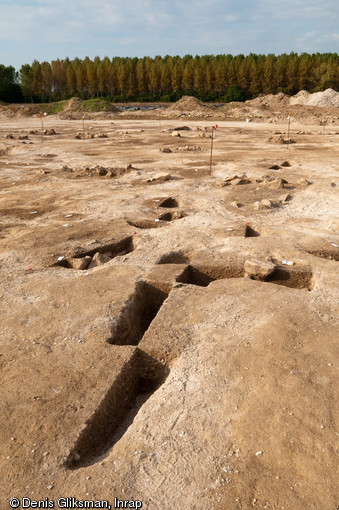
(56, 28)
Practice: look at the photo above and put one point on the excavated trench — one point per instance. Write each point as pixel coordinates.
(121, 247)
(204, 275)
(326, 253)
(174, 257)
(115, 249)
(145, 223)
(139, 312)
(135, 384)
(295, 278)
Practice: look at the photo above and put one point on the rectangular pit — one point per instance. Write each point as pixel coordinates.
(292, 278)
(204, 275)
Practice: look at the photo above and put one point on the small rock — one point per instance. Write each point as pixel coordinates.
(276, 184)
(259, 206)
(175, 133)
(237, 182)
(259, 453)
(99, 259)
(167, 150)
(99, 170)
(303, 182)
(285, 198)
(80, 263)
(258, 269)
(160, 177)
(267, 203)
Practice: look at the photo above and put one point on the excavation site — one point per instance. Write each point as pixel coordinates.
(169, 305)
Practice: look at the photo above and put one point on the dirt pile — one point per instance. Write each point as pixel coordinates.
(76, 107)
(98, 170)
(73, 104)
(192, 106)
(328, 98)
(271, 101)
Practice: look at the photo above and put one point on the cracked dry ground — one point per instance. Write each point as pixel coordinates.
(141, 358)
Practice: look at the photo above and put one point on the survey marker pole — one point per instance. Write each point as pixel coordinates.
(288, 130)
(83, 125)
(212, 138)
(42, 115)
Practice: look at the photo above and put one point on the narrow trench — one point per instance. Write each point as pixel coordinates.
(121, 247)
(115, 249)
(330, 254)
(202, 276)
(135, 384)
(137, 315)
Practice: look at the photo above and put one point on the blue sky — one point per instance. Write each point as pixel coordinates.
(50, 29)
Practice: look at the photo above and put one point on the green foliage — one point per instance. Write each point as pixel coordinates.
(10, 91)
(94, 105)
(234, 93)
(208, 77)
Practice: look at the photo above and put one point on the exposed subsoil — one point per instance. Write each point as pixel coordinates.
(168, 334)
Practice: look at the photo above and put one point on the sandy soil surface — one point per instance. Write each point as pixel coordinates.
(168, 335)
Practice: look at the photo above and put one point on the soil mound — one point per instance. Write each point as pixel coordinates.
(73, 104)
(270, 101)
(191, 105)
(327, 98)
(186, 103)
(75, 107)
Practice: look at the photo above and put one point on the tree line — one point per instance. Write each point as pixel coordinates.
(209, 77)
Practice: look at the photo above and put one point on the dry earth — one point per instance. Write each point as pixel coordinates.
(155, 345)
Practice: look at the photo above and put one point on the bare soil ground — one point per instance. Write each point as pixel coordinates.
(156, 345)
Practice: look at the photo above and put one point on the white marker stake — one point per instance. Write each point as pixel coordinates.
(42, 127)
(212, 138)
(83, 125)
(288, 130)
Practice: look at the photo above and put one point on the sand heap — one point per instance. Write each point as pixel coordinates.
(328, 98)
(192, 106)
(271, 101)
